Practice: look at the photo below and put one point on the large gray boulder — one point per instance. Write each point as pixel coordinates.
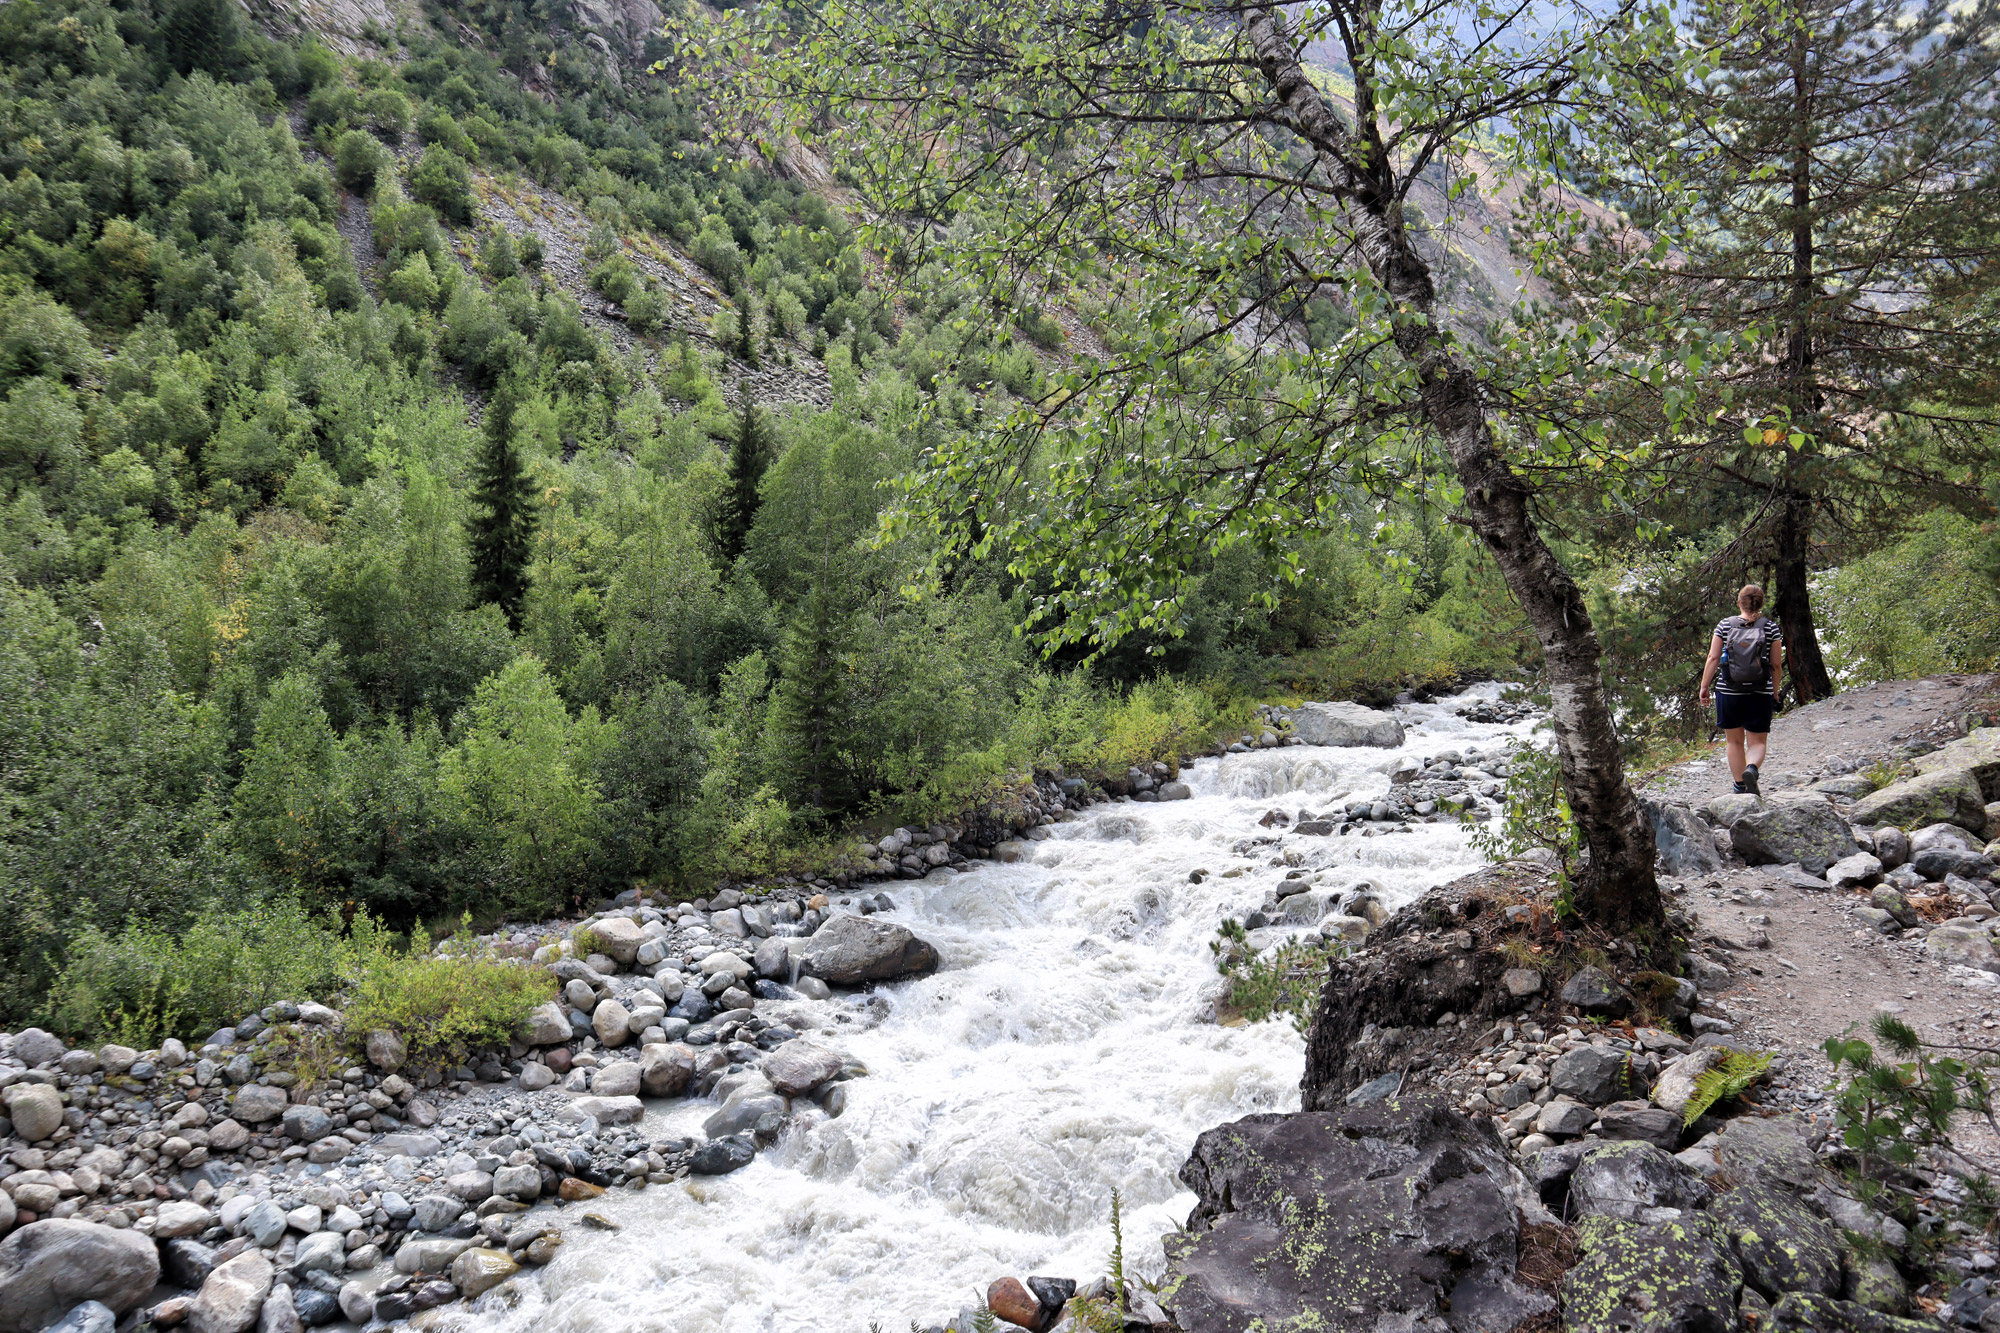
(1375, 1216)
(1786, 828)
(852, 950)
(619, 937)
(797, 1068)
(1633, 1181)
(36, 1110)
(1345, 724)
(666, 1068)
(1593, 1075)
(1962, 946)
(1684, 842)
(48, 1267)
(546, 1025)
(1950, 796)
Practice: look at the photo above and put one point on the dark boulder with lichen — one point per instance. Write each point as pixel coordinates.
(1398, 1214)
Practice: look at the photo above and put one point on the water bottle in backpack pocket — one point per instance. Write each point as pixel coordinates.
(1746, 654)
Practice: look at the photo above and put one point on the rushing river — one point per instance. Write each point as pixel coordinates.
(1063, 1050)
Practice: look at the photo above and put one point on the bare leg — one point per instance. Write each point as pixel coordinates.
(1733, 744)
(1753, 748)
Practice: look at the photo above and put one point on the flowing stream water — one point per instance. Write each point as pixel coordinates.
(1065, 1048)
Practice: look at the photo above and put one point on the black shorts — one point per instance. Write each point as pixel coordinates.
(1752, 712)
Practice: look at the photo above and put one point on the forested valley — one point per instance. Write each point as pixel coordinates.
(445, 463)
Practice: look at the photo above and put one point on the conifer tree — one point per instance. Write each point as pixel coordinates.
(749, 456)
(812, 713)
(1831, 183)
(503, 519)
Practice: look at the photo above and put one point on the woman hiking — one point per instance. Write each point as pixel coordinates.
(1746, 658)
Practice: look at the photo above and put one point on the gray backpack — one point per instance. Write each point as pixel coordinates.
(1746, 653)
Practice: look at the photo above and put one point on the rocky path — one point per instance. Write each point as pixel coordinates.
(1802, 965)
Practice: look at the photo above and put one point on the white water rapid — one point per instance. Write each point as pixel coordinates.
(1063, 1049)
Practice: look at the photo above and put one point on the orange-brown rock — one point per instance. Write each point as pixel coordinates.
(1013, 1302)
(573, 1190)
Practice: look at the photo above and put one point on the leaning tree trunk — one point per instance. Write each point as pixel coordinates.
(1618, 888)
(1791, 599)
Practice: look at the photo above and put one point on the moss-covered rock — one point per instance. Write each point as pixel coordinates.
(1780, 1243)
(1666, 1277)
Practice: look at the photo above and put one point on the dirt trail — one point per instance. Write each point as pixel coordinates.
(1802, 967)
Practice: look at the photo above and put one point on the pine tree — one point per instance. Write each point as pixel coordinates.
(749, 456)
(1829, 182)
(503, 521)
(812, 718)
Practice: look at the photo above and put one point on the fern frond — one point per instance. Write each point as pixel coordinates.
(1731, 1078)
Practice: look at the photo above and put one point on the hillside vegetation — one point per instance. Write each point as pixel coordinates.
(442, 473)
(358, 554)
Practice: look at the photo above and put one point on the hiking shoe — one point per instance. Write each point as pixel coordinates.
(1750, 780)
(1736, 787)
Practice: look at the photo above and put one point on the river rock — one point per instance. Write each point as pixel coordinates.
(233, 1296)
(34, 1047)
(1345, 724)
(1633, 1181)
(1950, 796)
(1593, 991)
(1684, 843)
(386, 1050)
(49, 1267)
(797, 1068)
(1008, 1298)
(1590, 1074)
(36, 1110)
(718, 1157)
(620, 1079)
(772, 958)
(546, 1025)
(1676, 1276)
(612, 1022)
(1781, 1244)
(535, 1076)
(1365, 1217)
(186, 1263)
(280, 1312)
(522, 1183)
(321, 1252)
(851, 950)
(180, 1217)
(1853, 872)
(1176, 791)
(90, 1317)
(620, 938)
(1791, 827)
(306, 1124)
(666, 1068)
(610, 1110)
(480, 1269)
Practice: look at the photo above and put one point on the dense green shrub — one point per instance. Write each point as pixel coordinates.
(359, 160)
(443, 1006)
(146, 983)
(1925, 605)
(442, 180)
